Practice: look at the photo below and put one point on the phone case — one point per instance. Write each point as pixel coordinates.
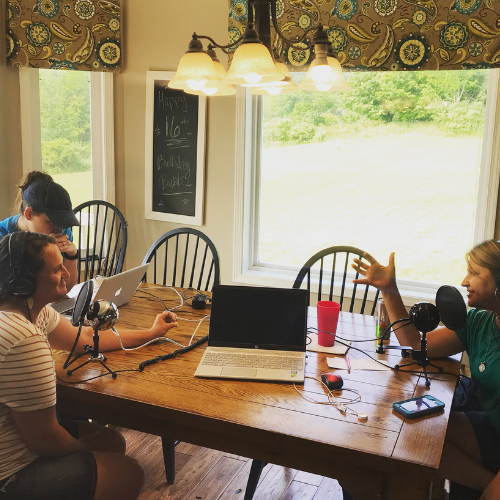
(424, 411)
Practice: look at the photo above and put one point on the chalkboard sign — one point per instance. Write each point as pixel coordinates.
(175, 152)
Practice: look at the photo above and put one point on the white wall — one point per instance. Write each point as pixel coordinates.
(10, 128)
(156, 34)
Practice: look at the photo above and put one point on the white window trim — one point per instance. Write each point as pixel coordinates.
(102, 129)
(246, 176)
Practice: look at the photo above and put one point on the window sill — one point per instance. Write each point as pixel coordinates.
(411, 291)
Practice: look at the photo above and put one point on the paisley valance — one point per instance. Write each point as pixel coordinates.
(64, 34)
(389, 34)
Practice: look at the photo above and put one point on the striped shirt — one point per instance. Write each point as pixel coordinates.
(27, 380)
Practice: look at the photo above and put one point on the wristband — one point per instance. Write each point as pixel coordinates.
(72, 257)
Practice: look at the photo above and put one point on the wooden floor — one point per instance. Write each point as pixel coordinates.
(204, 474)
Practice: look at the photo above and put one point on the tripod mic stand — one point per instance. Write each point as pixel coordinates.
(101, 316)
(425, 317)
(420, 359)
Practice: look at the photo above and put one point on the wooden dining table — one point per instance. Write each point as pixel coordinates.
(395, 457)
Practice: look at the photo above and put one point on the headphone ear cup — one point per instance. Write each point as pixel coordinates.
(22, 283)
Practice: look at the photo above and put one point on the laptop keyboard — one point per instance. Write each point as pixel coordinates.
(252, 361)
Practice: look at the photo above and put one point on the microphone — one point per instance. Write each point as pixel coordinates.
(424, 316)
(102, 315)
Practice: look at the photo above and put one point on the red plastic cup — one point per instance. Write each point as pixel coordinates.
(328, 317)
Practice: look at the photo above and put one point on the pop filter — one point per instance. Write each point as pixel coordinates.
(82, 303)
(424, 316)
(451, 307)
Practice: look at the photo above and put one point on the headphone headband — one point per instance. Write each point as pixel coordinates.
(21, 282)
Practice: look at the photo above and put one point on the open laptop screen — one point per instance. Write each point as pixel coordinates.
(258, 318)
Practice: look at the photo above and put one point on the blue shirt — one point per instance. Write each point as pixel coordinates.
(9, 225)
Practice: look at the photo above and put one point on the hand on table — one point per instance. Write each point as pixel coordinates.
(375, 274)
(164, 322)
(64, 245)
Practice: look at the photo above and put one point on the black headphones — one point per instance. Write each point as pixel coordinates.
(21, 282)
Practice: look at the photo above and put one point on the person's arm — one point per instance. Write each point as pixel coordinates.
(441, 342)
(64, 334)
(41, 432)
(492, 491)
(66, 246)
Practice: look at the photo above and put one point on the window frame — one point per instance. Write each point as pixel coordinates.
(246, 268)
(101, 129)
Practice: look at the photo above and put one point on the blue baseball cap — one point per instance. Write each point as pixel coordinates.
(53, 200)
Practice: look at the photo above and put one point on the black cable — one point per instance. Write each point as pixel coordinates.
(28, 309)
(172, 355)
(68, 362)
(156, 297)
(376, 360)
(93, 378)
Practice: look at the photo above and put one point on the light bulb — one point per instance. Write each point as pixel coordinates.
(274, 90)
(322, 73)
(209, 90)
(196, 84)
(252, 77)
(323, 87)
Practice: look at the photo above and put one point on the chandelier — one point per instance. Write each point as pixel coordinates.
(254, 62)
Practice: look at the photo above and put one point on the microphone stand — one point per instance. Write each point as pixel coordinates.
(99, 320)
(94, 355)
(419, 357)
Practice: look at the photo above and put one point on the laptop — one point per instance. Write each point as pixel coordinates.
(256, 333)
(118, 289)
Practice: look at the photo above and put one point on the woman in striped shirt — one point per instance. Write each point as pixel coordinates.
(40, 457)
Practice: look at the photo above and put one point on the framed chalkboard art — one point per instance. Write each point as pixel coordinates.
(175, 152)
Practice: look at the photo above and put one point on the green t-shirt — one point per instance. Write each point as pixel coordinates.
(481, 339)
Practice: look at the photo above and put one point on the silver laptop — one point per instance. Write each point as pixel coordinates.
(256, 333)
(118, 289)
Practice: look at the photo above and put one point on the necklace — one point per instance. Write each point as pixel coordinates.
(482, 365)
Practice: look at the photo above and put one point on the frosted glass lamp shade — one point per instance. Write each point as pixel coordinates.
(195, 70)
(252, 63)
(272, 88)
(215, 89)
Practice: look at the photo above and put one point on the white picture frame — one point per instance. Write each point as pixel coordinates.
(151, 162)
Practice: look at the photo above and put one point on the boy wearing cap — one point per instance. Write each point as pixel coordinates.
(46, 208)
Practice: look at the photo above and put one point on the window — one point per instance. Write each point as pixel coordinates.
(399, 163)
(67, 130)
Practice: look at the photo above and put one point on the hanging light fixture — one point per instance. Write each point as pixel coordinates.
(253, 63)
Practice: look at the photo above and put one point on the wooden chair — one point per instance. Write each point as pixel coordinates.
(186, 258)
(183, 257)
(101, 239)
(327, 272)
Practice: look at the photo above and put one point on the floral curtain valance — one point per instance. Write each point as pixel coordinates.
(64, 34)
(389, 34)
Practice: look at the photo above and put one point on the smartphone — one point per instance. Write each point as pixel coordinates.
(416, 407)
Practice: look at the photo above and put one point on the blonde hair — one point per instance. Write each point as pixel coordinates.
(27, 180)
(486, 254)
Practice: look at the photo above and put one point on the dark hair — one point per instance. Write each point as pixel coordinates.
(34, 176)
(32, 261)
